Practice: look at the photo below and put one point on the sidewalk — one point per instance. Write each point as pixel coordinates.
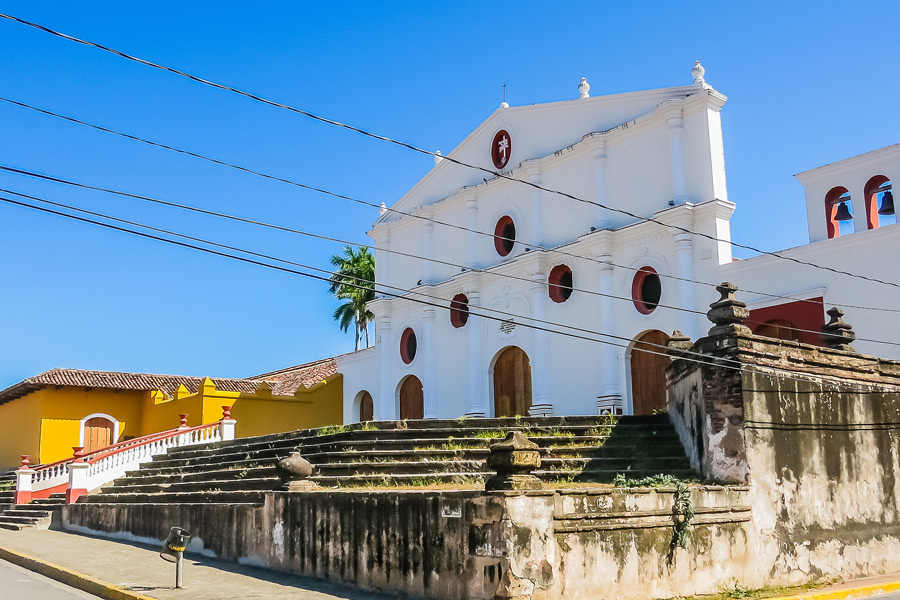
(130, 571)
(135, 571)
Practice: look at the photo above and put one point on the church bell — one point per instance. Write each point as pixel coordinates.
(887, 203)
(843, 213)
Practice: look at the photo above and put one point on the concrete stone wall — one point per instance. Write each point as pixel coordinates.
(464, 544)
(814, 431)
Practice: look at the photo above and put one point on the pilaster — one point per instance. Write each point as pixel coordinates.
(430, 384)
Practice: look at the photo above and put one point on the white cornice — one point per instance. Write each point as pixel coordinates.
(880, 156)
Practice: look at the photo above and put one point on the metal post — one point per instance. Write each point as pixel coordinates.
(179, 569)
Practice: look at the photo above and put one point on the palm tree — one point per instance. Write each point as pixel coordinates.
(354, 281)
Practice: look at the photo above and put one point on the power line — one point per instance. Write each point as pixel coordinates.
(714, 361)
(333, 239)
(374, 205)
(430, 153)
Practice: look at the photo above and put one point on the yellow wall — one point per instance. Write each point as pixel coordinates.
(46, 423)
(20, 430)
(63, 409)
(317, 406)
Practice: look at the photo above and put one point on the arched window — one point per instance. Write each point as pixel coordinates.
(459, 310)
(560, 281)
(408, 345)
(505, 235)
(879, 202)
(646, 290)
(838, 212)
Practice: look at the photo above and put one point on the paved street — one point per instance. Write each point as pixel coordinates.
(138, 568)
(17, 582)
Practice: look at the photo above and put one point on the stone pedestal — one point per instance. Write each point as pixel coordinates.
(514, 459)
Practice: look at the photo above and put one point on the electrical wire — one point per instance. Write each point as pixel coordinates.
(343, 241)
(414, 148)
(374, 205)
(713, 361)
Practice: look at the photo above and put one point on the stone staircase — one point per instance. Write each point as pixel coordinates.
(417, 453)
(38, 514)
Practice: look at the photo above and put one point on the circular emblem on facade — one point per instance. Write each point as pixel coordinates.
(501, 148)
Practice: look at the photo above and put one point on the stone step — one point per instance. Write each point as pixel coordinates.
(26, 510)
(411, 480)
(253, 497)
(607, 476)
(199, 476)
(149, 470)
(17, 526)
(229, 458)
(6, 518)
(138, 487)
(400, 468)
(194, 452)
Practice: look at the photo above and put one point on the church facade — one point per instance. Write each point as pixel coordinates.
(552, 288)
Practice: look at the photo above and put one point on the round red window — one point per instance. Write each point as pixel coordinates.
(501, 148)
(505, 235)
(408, 345)
(560, 281)
(459, 310)
(646, 290)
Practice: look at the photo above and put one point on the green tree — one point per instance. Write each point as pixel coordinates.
(354, 281)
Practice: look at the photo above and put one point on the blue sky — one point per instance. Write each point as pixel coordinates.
(808, 83)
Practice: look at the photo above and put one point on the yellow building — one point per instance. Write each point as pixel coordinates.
(45, 416)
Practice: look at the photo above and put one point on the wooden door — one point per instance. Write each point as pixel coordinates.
(648, 373)
(412, 400)
(98, 433)
(512, 383)
(366, 407)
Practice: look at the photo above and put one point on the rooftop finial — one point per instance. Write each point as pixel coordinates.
(698, 72)
(504, 104)
(584, 88)
(382, 209)
(437, 156)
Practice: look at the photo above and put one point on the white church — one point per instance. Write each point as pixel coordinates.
(499, 296)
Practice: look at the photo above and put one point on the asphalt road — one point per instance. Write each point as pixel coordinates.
(21, 584)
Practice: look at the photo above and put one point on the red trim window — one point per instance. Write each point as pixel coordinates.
(505, 235)
(560, 281)
(459, 310)
(646, 290)
(408, 345)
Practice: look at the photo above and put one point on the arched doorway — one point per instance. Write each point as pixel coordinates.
(512, 383)
(412, 400)
(98, 433)
(648, 372)
(366, 407)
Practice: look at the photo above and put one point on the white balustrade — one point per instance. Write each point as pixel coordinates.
(85, 472)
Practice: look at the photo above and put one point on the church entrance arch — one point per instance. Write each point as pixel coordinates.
(412, 400)
(512, 383)
(648, 360)
(98, 431)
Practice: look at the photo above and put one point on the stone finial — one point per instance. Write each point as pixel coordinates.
(77, 453)
(698, 72)
(183, 418)
(382, 209)
(26, 462)
(437, 157)
(294, 471)
(836, 333)
(514, 459)
(584, 88)
(504, 104)
(727, 313)
(678, 344)
(226, 413)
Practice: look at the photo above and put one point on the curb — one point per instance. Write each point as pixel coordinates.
(70, 578)
(843, 594)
